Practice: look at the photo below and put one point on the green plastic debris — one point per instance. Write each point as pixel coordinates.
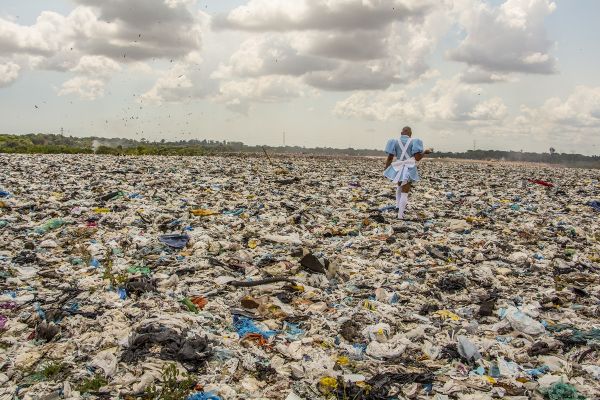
(76, 261)
(577, 336)
(562, 391)
(49, 226)
(3, 223)
(569, 252)
(191, 306)
(139, 270)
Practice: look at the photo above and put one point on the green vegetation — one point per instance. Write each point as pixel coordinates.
(115, 280)
(171, 388)
(52, 371)
(40, 144)
(570, 160)
(92, 384)
(57, 144)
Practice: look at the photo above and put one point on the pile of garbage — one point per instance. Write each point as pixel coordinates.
(290, 278)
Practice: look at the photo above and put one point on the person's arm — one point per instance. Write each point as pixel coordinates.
(389, 160)
(419, 156)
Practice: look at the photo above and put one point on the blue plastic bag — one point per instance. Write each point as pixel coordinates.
(175, 241)
(244, 326)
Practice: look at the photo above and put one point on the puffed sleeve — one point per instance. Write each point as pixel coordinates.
(417, 146)
(390, 147)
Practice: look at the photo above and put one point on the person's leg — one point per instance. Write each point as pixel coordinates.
(398, 194)
(404, 190)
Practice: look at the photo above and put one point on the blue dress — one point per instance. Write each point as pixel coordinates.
(393, 148)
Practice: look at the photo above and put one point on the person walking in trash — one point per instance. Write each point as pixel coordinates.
(403, 171)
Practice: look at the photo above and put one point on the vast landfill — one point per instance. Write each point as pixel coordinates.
(291, 278)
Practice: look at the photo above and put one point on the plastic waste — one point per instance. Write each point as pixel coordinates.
(204, 396)
(467, 349)
(175, 241)
(245, 326)
(562, 391)
(523, 323)
(49, 225)
(262, 286)
(595, 204)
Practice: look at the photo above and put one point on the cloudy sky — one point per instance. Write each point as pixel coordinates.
(512, 74)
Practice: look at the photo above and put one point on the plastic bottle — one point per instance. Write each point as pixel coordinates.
(49, 226)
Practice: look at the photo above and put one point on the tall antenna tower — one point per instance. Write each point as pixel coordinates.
(283, 138)
(62, 131)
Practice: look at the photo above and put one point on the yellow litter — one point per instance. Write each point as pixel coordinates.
(203, 213)
(472, 220)
(445, 314)
(369, 306)
(343, 360)
(327, 384)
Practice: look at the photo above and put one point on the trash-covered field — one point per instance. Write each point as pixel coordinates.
(291, 278)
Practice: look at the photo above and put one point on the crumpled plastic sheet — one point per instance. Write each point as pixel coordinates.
(175, 241)
(595, 204)
(192, 351)
(292, 279)
(204, 396)
(572, 336)
(245, 326)
(563, 391)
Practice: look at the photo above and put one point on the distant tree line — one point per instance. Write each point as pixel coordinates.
(572, 160)
(39, 143)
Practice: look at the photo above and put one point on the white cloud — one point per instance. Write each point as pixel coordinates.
(9, 72)
(47, 36)
(100, 34)
(350, 45)
(579, 111)
(382, 106)
(86, 88)
(137, 29)
(348, 15)
(477, 75)
(96, 66)
(238, 95)
(140, 67)
(272, 54)
(452, 100)
(449, 100)
(507, 38)
(184, 81)
(94, 72)
(336, 45)
(171, 87)
(356, 76)
(175, 85)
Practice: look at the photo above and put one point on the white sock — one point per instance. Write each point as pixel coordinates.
(402, 204)
(398, 196)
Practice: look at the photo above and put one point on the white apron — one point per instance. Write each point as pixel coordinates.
(403, 163)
